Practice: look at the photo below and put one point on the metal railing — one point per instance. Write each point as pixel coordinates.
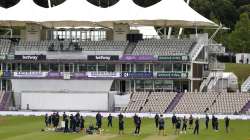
(217, 66)
(216, 48)
(196, 49)
(245, 87)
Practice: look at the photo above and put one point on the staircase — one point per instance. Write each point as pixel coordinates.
(174, 102)
(245, 87)
(209, 84)
(204, 84)
(130, 48)
(245, 108)
(197, 49)
(212, 83)
(5, 101)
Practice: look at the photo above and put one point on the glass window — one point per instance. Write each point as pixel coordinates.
(91, 67)
(44, 67)
(18, 67)
(158, 83)
(61, 67)
(184, 67)
(54, 67)
(167, 67)
(177, 67)
(82, 68)
(9, 66)
(26, 67)
(148, 84)
(158, 67)
(139, 85)
(76, 67)
(102, 67)
(140, 67)
(148, 67)
(188, 67)
(163, 84)
(66, 67)
(110, 67)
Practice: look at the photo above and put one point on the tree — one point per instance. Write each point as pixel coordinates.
(245, 9)
(239, 39)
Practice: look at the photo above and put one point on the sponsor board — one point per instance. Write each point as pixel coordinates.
(103, 57)
(30, 57)
(103, 74)
(172, 75)
(173, 58)
(79, 75)
(137, 57)
(30, 74)
(137, 74)
(55, 75)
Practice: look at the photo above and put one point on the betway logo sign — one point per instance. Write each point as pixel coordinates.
(30, 57)
(103, 57)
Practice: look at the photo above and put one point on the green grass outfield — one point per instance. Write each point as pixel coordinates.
(29, 128)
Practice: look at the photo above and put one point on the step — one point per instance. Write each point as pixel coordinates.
(246, 107)
(174, 102)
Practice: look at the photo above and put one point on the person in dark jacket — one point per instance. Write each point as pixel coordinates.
(46, 120)
(213, 122)
(216, 124)
(120, 116)
(66, 128)
(57, 119)
(110, 118)
(177, 126)
(197, 126)
(64, 116)
(135, 117)
(191, 121)
(184, 125)
(227, 124)
(157, 117)
(174, 120)
(137, 125)
(71, 122)
(82, 121)
(50, 120)
(207, 121)
(99, 120)
(121, 126)
(161, 125)
(53, 119)
(74, 121)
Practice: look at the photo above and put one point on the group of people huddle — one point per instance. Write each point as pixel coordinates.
(215, 123)
(177, 124)
(72, 123)
(75, 123)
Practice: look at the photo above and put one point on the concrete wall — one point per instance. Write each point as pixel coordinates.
(65, 101)
(120, 32)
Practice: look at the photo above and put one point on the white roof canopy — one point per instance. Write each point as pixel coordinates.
(78, 13)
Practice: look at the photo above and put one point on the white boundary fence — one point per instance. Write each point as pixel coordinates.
(128, 115)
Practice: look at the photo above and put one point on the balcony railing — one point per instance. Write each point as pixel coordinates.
(217, 66)
(95, 74)
(216, 48)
